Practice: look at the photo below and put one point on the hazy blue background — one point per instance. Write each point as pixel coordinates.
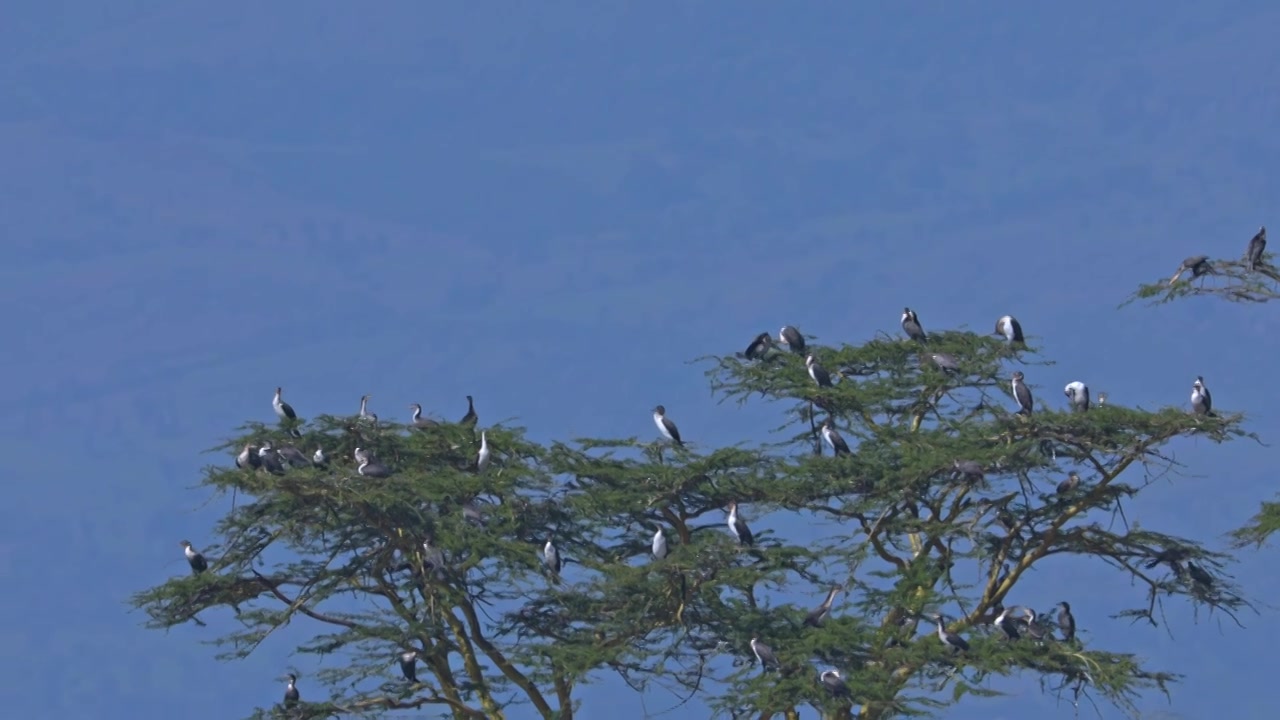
(424, 200)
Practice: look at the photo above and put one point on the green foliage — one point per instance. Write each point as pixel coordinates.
(897, 527)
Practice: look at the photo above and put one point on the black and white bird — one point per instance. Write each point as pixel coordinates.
(817, 372)
(659, 545)
(1021, 393)
(666, 426)
(369, 466)
(1078, 395)
(409, 665)
(764, 654)
(911, 325)
(944, 362)
(482, 458)
(1257, 246)
(365, 415)
(1010, 328)
(432, 557)
(1197, 265)
(738, 526)
(551, 560)
(420, 422)
(949, 639)
(194, 558)
(1071, 483)
(291, 695)
(759, 347)
(293, 456)
(471, 418)
(269, 459)
(792, 338)
(1006, 625)
(833, 439)
(319, 459)
(1066, 622)
(834, 683)
(248, 458)
(1031, 626)
(283, 410)
(1201, 401)
(819, 614)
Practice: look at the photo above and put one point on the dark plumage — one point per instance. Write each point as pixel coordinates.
(1201, 400)
(738, 526)
(816, 616)
(291, 695)
(409, 665)
(471, 418)
(792, 338)
(833, 438)
(1066, 486)
(666, 426)
(911, 325)
(1010, 328)
(817, 372)
(758, 347)
(1066, 623)
(1197, 264)
(194, 559)
(1022, 394)
(1257, 246)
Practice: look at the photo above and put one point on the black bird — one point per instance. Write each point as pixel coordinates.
(949, 639)
(792, 338)
(282, 408)
(1199, 576)
(369, 465)
(665, 426)
(837, 443)
(420, 422)
(293, 456)
(471, 418)
(759, 347)
(1021, 393)
(1078, 395)
(1069, 484)
(551, 559)
(1171, 556)
(1066, 623)
(911, 325)
(248, 458)
(764, 654)
(1197, 264)
(817, 372)
(291, 695)
(967, 469)
(1031, 625)
(269, 459)
(1010, 328)
(194, 558)
(1201, 401)
(1257, 245)
(409, 665)
(738, 526)
(816, 617)
(834, 683)
(1006, 624)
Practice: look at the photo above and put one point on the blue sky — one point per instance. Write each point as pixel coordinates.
(428, 200)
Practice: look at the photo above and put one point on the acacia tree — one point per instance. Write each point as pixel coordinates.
(943, 504)
(1234, 281)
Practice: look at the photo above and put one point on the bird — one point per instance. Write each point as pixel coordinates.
(1078, 394)
(1031, 626)
(950, 639)
(471, 418)
(248, 458)
(283, 409)
(194, 558)
(1010, 328)
(967, 469)
(665, 426)
(1066, 623)
(432, 556)
(482, 459)
(817, 372)
(269, 459)
(364, 410)
(1201, 401)
(837, 443)
(291, 695)
(319, 459)
(1199, 576)
(551, 559)
(409, 665)
(1257, 245)
(944, 362)
(738, 526)
(764, 654)
(369, 465)
(792, 338)
(911, 325)
(1197, 264)
(420, 422)
(1021, 393)
(1006, 624)
(758, 347)
(293, 456)
(834, 683)
(659, 546)
(823, 611)
(1069, 484)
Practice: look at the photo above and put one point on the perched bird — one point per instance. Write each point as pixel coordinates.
(1005, 624)
(283, 410)
(738, 526)
(432, 556)
(1257, 246)
(1197, 264)
(1066, 623)
(482, 459)
(837, 443)
(823, 611)
(946, 363)
(967, 469)
(318, 458)
(291, 695)
(1102, 399)
(551, 559)
(369, 466)
(1066, 486)
(834, 683)
(1078, 395)
(659, 546)
(248, 458)
(1201, 401)
(665, 426)
(1021, 393)
(409, 665)
(293, 456)
(792, 338)
(758, 347)
(911, 325)
(817, 372)
(764, 654)
(420, 422)
(1010, 328)
(194, 558)
(471, 418)
(1199, 576)
(949, 639)
(364, 410)
(269, 460)
(1031, 626)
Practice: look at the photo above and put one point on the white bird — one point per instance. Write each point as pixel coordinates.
(282, 408)
(1201, 401)
(738, 526)
(482, 460)
(660, 549)
(551, 559)
(666, 426)
(1078, 393)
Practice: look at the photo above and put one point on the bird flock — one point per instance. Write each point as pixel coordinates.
(1013, 623)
